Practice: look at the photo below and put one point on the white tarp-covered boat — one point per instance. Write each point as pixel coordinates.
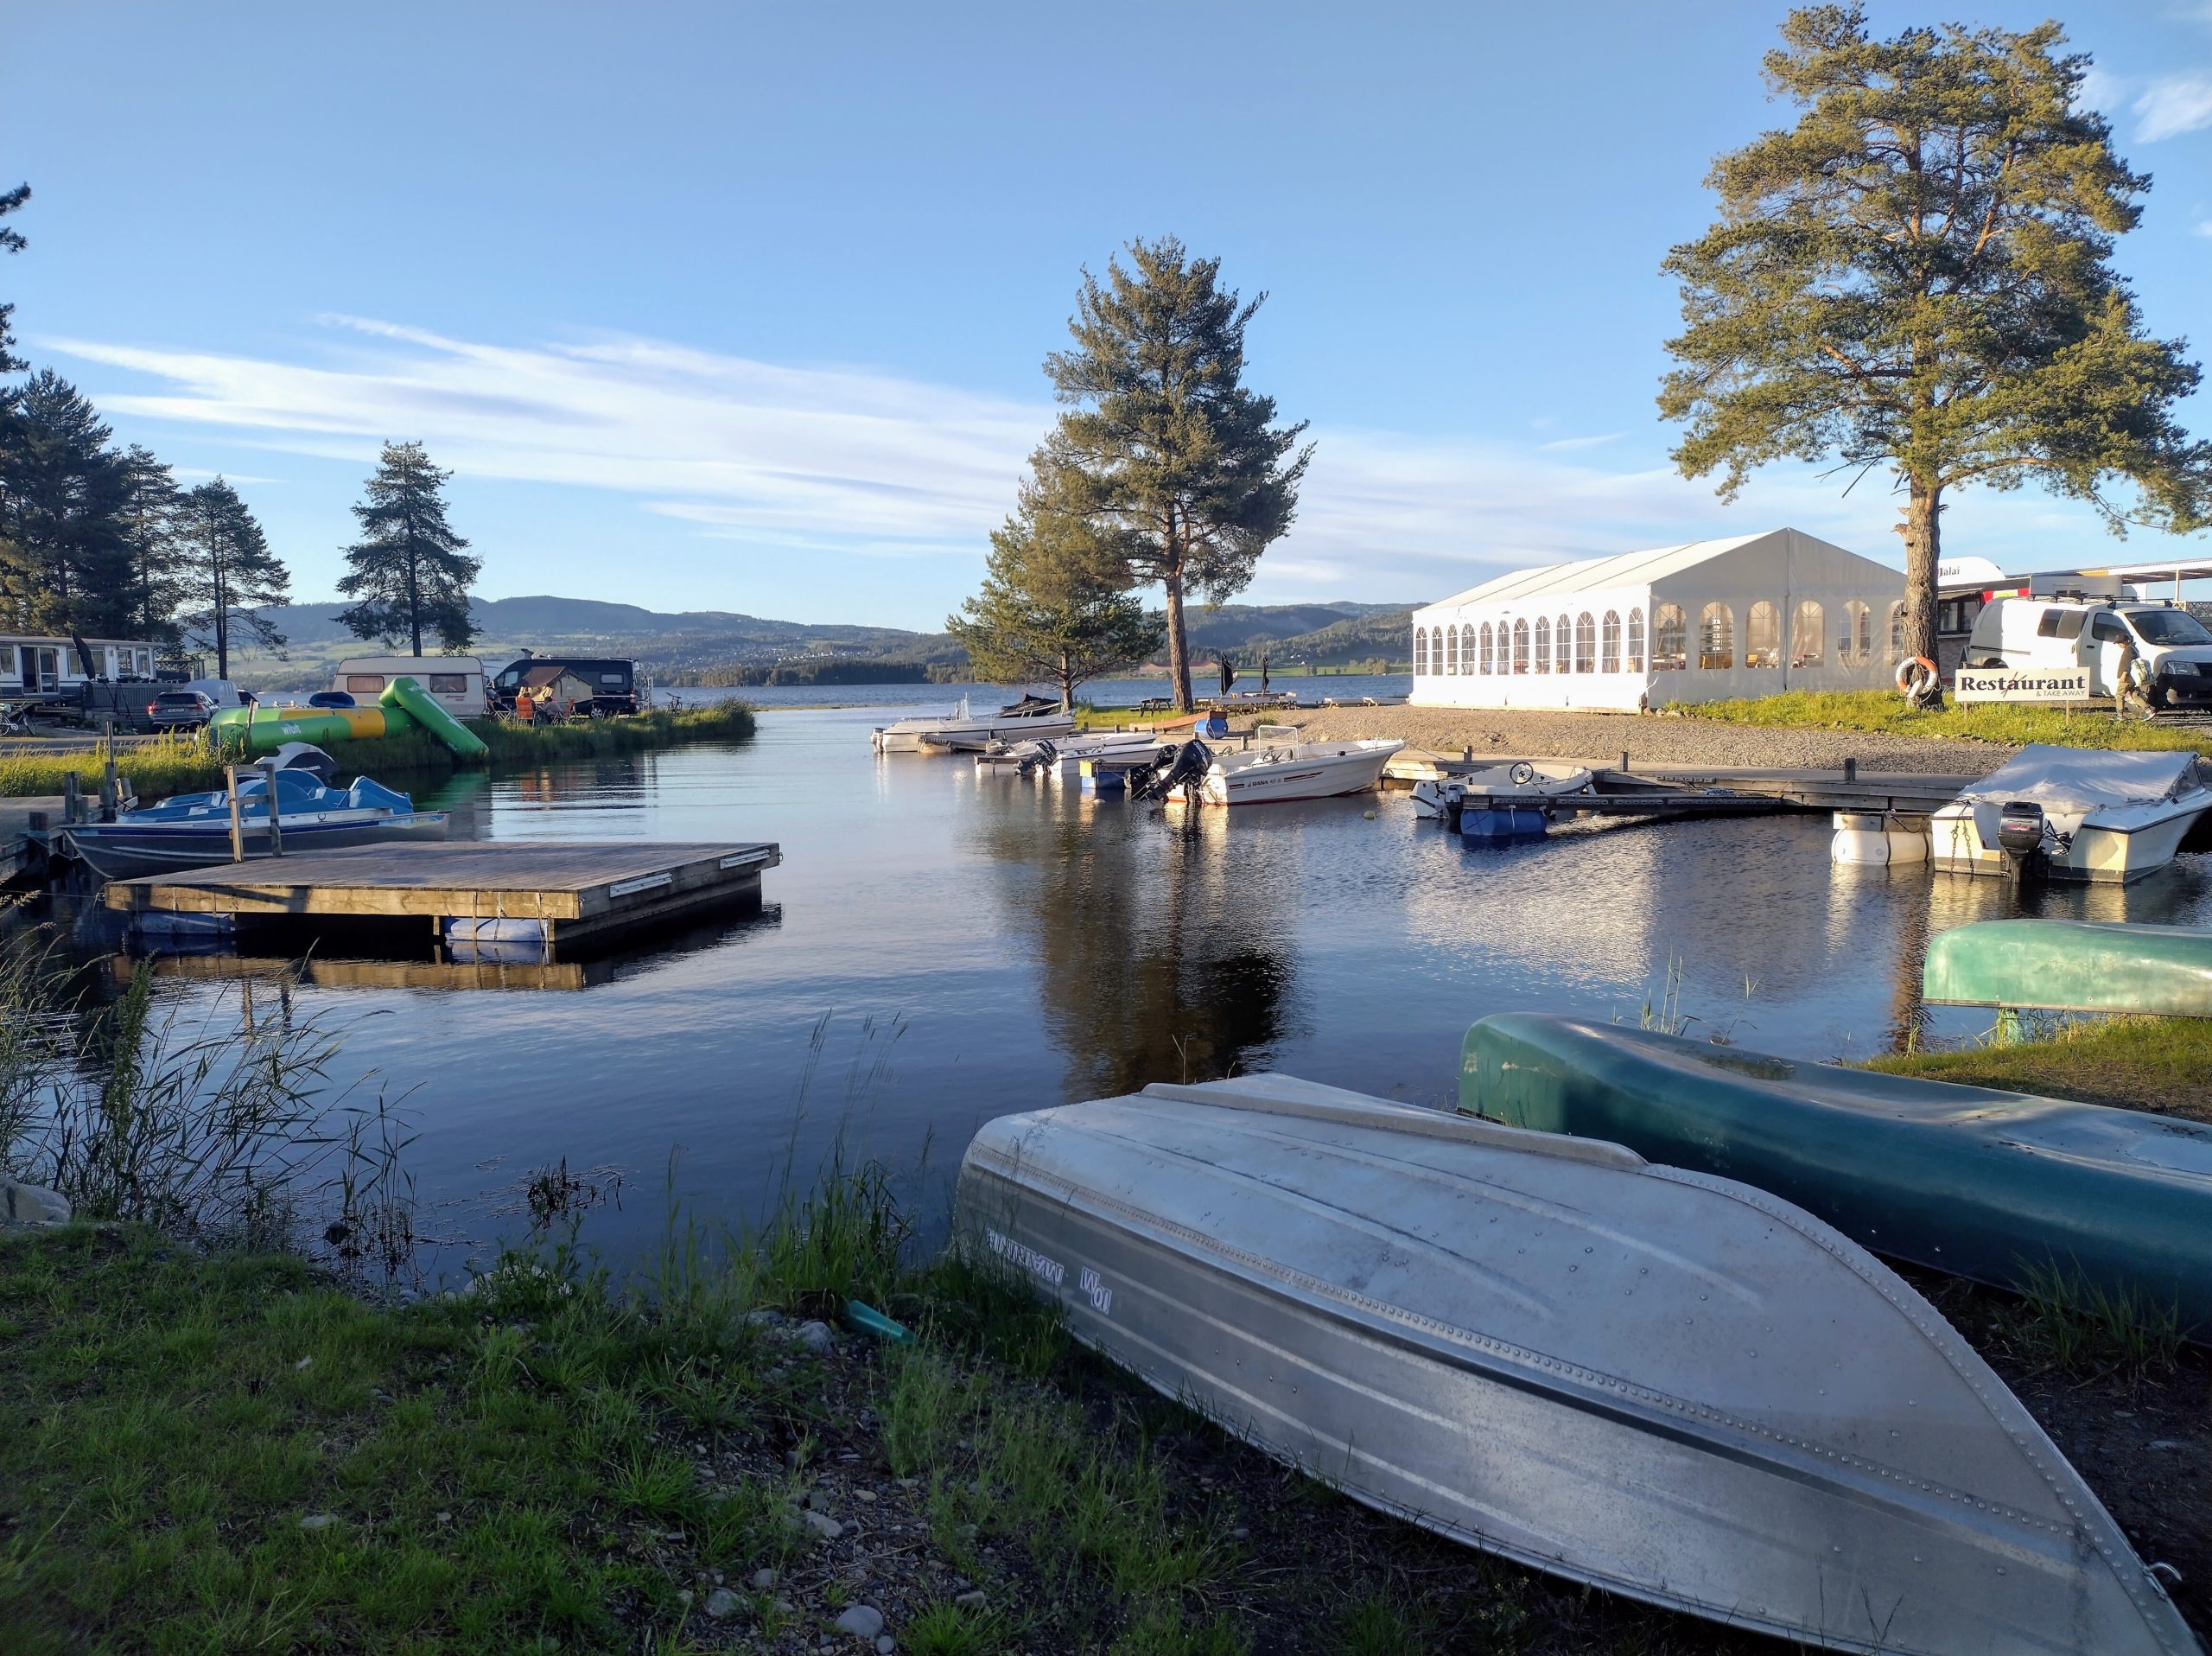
(1668, 1384)
(2107, 816)
(1023, 720)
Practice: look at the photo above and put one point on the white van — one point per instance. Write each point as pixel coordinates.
(2095, 633)
(455, 682)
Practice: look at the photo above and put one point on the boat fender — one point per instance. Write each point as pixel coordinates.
(1914, 674)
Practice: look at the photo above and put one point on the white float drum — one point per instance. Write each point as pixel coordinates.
(1860, 839)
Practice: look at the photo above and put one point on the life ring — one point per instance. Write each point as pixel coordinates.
(1914, 674)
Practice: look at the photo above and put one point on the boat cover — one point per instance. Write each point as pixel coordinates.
(2070, 966)
(1999, 1187)
(2082, 779)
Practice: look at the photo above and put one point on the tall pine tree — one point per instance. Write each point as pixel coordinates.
(1054, 605)
(11, 241)
(1181, 465)
(153, 592)
(1916, 278)
(409, 570)
(64, 560)
(226, 574)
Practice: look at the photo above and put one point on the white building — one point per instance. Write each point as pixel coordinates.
(31, 664)
(1712, 620)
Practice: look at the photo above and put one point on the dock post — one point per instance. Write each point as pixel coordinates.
(237, 828)
(1850, 768)
(73, 803)
(1623, 764)
(275, 829)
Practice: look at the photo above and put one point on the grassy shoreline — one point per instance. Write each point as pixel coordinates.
(2013, 724)
(185, 765)
(2163, 1065)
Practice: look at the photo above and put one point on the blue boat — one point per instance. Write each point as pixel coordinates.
(190, 830)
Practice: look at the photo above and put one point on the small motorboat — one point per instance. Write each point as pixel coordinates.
(1048, 757)
(2075, 814)
(1521, 784)
(189, 830)
(1023, 720)
(1999, 1187)
(1278, 771)
(1667, 1384)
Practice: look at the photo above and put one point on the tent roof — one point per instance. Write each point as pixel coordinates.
(1620, 570)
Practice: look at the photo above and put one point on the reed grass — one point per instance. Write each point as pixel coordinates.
(2014, 724)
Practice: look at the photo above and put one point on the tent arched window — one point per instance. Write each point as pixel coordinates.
(1586, 643)
(1807, 648)
(1420, 651)
(1562, 636)
(1716, 638)
(1857, 634)
(1636, 641)
(1450, 650)
(1670, 634)
(1896, 632)
(1485, 648)
(1543, 643)
(1467, 649)
(1762, 636)
(1609, 642)
(1520, 646)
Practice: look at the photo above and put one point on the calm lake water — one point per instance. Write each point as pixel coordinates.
(938, 948)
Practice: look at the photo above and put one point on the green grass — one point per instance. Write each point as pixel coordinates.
(187, 764)
(2014, 724)
(2134, 1062)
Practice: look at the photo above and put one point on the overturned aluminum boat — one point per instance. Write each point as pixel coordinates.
(2087, 815)
(1664, 1384)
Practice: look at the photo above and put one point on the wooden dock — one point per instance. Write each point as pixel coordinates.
(570, 890)
(1849, 789)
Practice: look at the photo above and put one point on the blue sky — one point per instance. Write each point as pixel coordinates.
(744, 308)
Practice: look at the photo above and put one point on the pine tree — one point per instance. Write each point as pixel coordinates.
(409, 571)
(1054, 605)
(1916, 278)
(153, 592)
(1180, 465)
(64, 562)
(11, 241)
(227, 573)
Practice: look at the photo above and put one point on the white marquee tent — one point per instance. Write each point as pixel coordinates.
(1712, 620)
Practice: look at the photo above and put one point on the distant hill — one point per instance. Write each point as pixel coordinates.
(723, 646)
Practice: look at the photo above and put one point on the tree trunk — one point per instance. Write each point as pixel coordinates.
(414, 594)
(1067, 683)
(1922, 547)
(1178, 645)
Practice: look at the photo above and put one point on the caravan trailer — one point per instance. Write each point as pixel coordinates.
(455, 682)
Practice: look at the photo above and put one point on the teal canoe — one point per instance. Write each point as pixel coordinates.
(2070, 966)
(1998, 1187)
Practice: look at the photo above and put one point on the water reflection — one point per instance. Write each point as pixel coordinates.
(1163, 945)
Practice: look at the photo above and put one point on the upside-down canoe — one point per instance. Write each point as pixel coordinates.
(2000, 1187)
(1671, 1385)
(2072, 966)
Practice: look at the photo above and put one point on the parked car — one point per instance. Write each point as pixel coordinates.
(332, 698)
(179, 710)
(220, 692)
(2066, 631)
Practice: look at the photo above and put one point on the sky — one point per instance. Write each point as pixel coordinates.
(745, 308)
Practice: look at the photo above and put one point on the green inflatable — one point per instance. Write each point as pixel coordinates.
(265, 729)
(1995, 1186)
(410, 697)
(2070, 965)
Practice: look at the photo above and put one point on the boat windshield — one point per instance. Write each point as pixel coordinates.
(2168, 627)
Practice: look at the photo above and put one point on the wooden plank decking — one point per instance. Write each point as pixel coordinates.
(577, 887)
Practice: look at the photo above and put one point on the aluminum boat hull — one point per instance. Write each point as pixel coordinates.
(1664, 1384)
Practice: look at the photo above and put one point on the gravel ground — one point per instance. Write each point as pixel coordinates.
(1656, 739)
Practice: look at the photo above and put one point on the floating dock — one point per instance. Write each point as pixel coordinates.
(1619, 786)
(558, 890)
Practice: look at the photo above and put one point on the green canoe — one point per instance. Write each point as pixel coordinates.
(2072, 966)
(1990, 1185)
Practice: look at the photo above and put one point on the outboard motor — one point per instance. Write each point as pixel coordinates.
(2020, 834)
(1188, 762)
(1042, 756)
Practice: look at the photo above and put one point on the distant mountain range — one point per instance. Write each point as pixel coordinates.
(709, 645)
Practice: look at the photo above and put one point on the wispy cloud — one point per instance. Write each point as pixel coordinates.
(809, 462)
(2174, 104)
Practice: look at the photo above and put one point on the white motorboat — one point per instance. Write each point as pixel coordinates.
(1031, 717)
(1662, 1383)
(1278, 772)
(2075, 814)
(1060, 757)
(1524, 782)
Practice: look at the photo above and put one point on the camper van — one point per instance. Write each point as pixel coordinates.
(51, 668)
(595, 685)
(455, 682)
(2069, 630)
